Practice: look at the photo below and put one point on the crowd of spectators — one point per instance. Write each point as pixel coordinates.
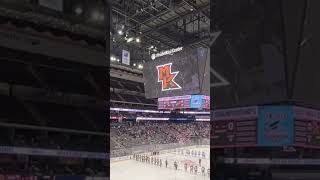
(50, 166)
(59, 141)
(130, 134)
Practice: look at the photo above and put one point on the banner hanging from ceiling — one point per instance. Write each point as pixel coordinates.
(125, 57)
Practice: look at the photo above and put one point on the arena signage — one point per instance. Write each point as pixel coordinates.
(176, 75)
(236, 113)
(266, 126)
(167, 52)
(166, 77)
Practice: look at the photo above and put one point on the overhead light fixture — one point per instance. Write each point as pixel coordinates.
(118, 60)
(112, 58)
(138, 40)
(120, 32)
(152, 47)
(130, 39)
(140, 66)
(134, 64)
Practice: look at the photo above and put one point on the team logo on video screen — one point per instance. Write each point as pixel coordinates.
(166, 77)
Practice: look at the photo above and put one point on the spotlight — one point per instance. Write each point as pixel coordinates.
(134, 64)
(129, 39)
(112, 58)
(138, 40)
(118, 60)
(140, 66)
(120, 32)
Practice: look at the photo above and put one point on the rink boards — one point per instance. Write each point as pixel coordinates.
(203, 148)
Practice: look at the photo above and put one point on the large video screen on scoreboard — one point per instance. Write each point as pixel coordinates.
(234, 127)
(307, 127)
(184, 102)
(177, 74)
(257, 126)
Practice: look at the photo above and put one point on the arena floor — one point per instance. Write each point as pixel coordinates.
(134, 170)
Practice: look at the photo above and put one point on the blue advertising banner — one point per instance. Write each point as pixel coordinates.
(196, 101)
(275, 125)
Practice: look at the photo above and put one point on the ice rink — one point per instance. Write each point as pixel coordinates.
(135, 170)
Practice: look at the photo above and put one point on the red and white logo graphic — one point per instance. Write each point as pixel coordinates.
(166, 77)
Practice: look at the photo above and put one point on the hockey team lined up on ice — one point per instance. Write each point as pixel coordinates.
(192, 168)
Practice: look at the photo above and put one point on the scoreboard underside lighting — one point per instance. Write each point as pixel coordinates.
(184, 102)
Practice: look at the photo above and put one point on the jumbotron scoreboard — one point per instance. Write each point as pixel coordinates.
(184, 102)
(266, 126)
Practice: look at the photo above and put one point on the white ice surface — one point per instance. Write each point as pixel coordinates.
(134, 170)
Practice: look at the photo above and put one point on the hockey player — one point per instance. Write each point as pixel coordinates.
(203, 171)
(208, 172)
(199, 162)
(176, 165)
(191, 169)
(160, 162)
(185, 167)
(195, 169)
(166, 163)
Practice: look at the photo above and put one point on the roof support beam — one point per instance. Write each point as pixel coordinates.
(152, 29)
(196, 9)
(206, 6)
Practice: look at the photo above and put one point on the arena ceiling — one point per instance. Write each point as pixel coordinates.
(80, 17)
(159, 25)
